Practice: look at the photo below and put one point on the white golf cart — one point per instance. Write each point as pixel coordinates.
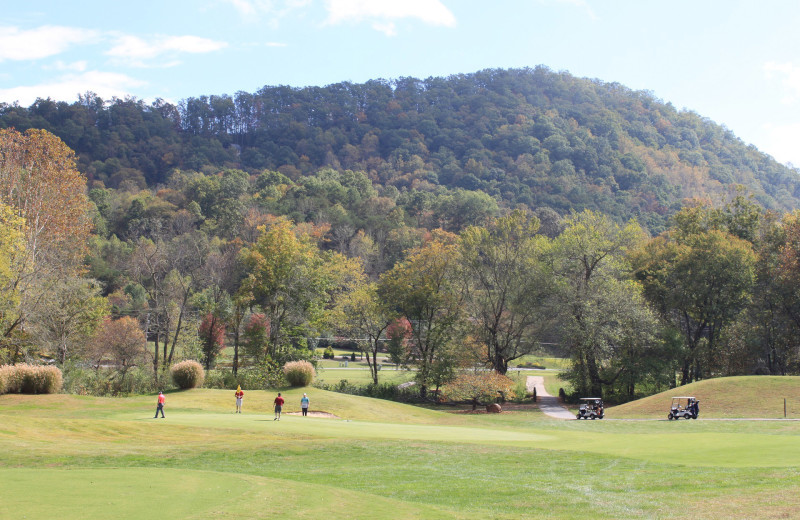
(686, 407)
(591, 408)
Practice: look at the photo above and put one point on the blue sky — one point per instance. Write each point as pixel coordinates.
(735, 62)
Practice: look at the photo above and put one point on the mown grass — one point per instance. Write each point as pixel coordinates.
(76, 457)
(361, 375)
(729, 397)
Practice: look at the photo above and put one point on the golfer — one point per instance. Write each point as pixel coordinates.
(304, 404)
(278, 407)
(160, 408)
(239, 396)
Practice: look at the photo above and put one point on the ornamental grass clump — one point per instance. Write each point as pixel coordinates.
(30, 379)
(299, 373)
(188, 374)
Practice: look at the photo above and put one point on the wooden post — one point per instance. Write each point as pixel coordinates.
(784, 408)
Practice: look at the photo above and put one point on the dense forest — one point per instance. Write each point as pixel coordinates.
(529, 137)
(448, 223)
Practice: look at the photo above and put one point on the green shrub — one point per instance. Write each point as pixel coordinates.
(299, 373)
(30, 379)
(328, 353)
(261, 377)
(390, 391)
(188, 374)
(105, 382)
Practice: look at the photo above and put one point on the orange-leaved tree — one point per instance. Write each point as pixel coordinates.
(39, 180)
(484, 387)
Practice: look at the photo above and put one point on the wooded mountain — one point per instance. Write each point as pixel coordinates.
(524, 136)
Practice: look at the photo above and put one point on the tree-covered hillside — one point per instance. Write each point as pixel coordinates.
(524, 136)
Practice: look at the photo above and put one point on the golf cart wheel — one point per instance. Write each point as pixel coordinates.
(670, 417)
(578, 416)
(687, 417)
(694, 416)
(594, 417)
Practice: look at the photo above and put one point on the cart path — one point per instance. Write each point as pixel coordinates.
(547, 403)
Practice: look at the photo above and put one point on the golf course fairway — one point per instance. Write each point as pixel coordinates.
(81, 457)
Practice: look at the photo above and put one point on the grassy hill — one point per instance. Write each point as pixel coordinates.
(727, 397)
(76, 457)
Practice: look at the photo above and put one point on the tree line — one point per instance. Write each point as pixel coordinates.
(153, 277)
(532, 137)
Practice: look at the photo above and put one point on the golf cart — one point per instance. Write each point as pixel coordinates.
(686, 407)
(591, 408)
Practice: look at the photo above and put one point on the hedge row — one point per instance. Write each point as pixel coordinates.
(30, 379)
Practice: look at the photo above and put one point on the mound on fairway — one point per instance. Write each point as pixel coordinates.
(758, 397)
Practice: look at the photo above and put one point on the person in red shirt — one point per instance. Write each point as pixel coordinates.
(160, 408)
(278, 406)
(239, 396)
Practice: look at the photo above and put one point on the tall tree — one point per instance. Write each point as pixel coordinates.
(361, 313)
(508, 292)
(39, 180)
(424, 288)
(292, 281)
(699, 282)
(603, 313)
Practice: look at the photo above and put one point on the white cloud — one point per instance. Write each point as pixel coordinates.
(66, 88)
(136, 51)
(383, 14)
(789, 76)
(41, 42)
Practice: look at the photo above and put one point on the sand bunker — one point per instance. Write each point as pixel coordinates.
(315, 414)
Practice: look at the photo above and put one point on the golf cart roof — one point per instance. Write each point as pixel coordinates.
(684, 397)
(591, 398)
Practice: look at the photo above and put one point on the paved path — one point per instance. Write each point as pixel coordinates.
(547, 403)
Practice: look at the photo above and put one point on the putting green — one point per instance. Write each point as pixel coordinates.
(684, 444)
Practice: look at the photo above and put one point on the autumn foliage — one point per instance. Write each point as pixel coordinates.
(479, 388)
(212, 335)
(38, 178)
(121, 341)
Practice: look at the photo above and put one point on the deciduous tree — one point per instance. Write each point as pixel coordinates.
(39, 180)
(508, 290)
(423, 288)
(292, 281)
(699, 282)
(602, 312)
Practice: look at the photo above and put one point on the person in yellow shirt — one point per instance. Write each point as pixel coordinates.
(239, 396)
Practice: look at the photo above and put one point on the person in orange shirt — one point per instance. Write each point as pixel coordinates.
(278, 406)
(160, 408)
(239, 396)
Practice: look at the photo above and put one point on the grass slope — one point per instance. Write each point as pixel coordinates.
(727, 397)
(80, 457)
